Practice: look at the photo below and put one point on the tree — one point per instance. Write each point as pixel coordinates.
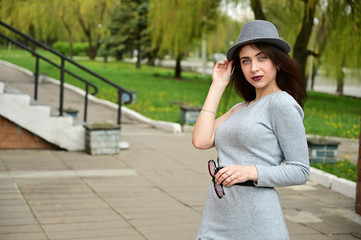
(128, 29)
(335, 39)
(65, 13)
(300, 47)
(300, 51)
(92, 16)
(343, 49)
(257, 9)
(176, 24)
(32, 17)
(51, 20)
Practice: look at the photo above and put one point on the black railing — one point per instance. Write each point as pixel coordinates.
(63, 70)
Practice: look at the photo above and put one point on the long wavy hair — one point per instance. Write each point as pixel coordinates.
(288, 77)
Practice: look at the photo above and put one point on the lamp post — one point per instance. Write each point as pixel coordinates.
(204, 55)
(358, 184)
(310, 70)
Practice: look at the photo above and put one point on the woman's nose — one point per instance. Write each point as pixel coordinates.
(254, 66)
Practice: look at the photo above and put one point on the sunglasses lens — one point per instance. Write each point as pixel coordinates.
(211, 168)
(218, 189)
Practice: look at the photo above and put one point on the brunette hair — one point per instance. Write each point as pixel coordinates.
(288, 77)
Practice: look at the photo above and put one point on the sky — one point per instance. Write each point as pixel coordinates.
(241, 11)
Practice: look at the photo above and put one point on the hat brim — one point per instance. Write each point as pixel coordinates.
(281, 44)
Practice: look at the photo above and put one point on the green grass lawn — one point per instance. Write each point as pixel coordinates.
(343, 169)
(158, 92)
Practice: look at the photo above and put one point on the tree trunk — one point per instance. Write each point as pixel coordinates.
(139, 57)
(119, 55)
(152, 57)
(314, 72)
(257, 10)
(70, 48)
(31, 34)
(151, 61)
(340, 82)
(70, 34)
(178, 68)
(300, 52)
(92, 52)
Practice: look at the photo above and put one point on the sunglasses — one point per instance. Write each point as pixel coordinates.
(213, 169)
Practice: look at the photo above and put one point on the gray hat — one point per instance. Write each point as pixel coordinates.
(259, 31)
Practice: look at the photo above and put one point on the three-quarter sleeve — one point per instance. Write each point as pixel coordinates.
(286, 118)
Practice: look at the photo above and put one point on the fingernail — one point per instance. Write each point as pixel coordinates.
(222, 62)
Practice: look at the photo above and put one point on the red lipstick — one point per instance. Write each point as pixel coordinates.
(257, 78)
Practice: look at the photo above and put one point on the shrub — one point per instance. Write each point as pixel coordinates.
(62, 47)
(79, 48)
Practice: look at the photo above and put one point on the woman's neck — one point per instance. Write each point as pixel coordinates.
(260, 93)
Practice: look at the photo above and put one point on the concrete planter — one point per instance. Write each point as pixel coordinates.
(125, 97)
(322, 150)
(71, 112)
(102, 140)
(189, 114)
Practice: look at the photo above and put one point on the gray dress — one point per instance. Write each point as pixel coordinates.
(270, 135)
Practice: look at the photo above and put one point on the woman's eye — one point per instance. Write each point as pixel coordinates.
(245, 61)
(262, 58)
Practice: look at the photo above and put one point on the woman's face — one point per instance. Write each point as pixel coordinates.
(258, 68)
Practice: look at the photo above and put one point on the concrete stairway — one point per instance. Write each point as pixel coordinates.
(36, 118)
(16, 104)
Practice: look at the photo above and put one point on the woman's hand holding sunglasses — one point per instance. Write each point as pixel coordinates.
(233, 174)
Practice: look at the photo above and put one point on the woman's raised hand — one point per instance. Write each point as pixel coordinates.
(222, 72)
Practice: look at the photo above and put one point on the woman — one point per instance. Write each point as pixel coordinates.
(261, 143)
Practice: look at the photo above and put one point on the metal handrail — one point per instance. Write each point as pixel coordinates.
(120, 90)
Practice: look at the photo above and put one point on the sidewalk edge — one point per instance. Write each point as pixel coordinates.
(340, 185)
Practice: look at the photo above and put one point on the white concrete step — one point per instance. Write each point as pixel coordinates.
(37, 119)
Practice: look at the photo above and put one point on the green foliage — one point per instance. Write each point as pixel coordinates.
(128, 29)
(79, 48)
(175, 24)
(225, 31)
(62, 47)
(288, 23)
(343, 47)
(32, 17)
(58, 20)
(343, 169)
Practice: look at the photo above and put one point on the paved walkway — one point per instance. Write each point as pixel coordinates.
(155, 190)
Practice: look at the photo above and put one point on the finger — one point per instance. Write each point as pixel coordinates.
(229, 66)
(227, 181)
(230, 180)
(222, 175)
(220, 63)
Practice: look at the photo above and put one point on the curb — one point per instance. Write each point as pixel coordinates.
(340, 185)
